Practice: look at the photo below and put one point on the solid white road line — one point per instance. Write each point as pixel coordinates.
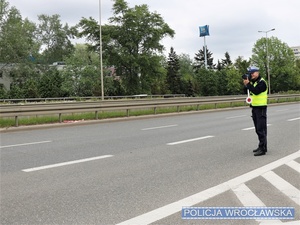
(172, 208)
(167, 126)
(66, 163)
(24, 144)
(189, 140)
(293, 164)
(290, 120)
(167, 210)
(283, 186)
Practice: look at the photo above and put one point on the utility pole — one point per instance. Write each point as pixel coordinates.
(100, 51)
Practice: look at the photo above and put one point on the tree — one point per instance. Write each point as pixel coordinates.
(241, 65)
(219, 65)
(297, 74)
(224, 62)
(188, 83)
(227, 61)
(50, 85)
(136, 54)
(173, 76)
(234, 84)
(186, 66)
(200, 60)
(17, 47)
(81, 75)
(281, 63)
(208, 82)
(54, 38)
(17, 41)
(222, 81)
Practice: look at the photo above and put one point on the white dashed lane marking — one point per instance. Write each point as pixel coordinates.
(160, 127)
(235, 117)
(290, 120)
(252, 128)
(66, 163)
(25, 144)
(189, 140)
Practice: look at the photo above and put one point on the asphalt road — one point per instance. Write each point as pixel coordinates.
(109, 173)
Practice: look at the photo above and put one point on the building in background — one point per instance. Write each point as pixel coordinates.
(296, 51)
(5, 79)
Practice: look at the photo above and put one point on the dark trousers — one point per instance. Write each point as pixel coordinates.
(259, 116)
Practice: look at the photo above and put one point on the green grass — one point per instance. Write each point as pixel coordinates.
(48, 119)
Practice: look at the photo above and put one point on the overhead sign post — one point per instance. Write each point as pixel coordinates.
(204, 31)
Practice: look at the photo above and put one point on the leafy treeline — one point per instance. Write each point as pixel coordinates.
(133, 58)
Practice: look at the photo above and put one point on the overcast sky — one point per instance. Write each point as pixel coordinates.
(233, 24)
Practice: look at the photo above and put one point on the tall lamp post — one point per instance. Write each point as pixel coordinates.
(268, 70)
(100, 50)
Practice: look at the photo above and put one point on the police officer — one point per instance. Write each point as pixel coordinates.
(259, 94)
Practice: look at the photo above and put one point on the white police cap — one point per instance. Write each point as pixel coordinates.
(252, 69)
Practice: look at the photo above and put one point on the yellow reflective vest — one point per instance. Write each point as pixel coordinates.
(262, 98)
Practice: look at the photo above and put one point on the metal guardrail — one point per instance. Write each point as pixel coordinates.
(140, 96)
(17, 110)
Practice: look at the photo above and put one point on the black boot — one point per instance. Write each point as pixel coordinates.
(259, 152)
(256, 150)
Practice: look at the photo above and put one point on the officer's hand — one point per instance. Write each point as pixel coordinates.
(246, 82)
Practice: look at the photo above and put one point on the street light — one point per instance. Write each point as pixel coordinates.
(100, 50)
(268, 71)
